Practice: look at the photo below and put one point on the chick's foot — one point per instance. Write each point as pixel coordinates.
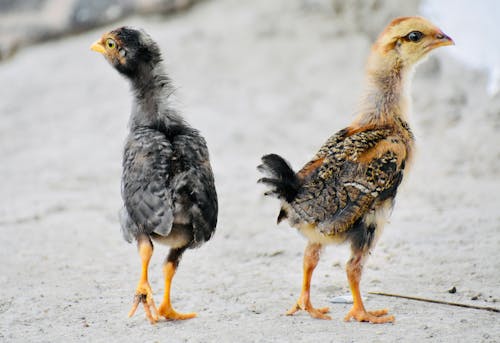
(374, 317)
(144, 295)
(305, 305)
(169, 313)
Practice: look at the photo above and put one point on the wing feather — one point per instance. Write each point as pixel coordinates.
(356, 171)
(168, 180)
(146, 179)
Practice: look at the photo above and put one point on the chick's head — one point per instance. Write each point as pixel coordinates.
(128, 50)
(409, 39)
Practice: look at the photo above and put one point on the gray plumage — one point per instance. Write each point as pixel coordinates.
(167, 181)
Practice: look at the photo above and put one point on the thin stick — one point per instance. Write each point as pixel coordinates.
(485, 308)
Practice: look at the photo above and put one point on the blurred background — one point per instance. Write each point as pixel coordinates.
(255, 77)
(24, 22)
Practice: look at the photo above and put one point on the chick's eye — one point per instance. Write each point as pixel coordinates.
(415, 36)
(111, 43)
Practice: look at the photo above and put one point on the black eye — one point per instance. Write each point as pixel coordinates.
(414, 36)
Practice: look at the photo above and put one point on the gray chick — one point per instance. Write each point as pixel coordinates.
(167, 183)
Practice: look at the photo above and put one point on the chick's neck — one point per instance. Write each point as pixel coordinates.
(386, 97)
(152, 89)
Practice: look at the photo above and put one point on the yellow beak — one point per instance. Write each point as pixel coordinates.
(97, 47)
(447, 41)
(442, 39)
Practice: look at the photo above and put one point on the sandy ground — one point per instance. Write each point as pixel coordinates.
(271, 77)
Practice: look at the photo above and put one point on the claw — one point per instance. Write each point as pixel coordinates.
(170, 314)
(379, 313)
(134, 305)
(292, 310)
(374, 317)
(148, 303)
(318, 313)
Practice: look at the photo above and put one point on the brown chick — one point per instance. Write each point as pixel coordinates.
(346, 192)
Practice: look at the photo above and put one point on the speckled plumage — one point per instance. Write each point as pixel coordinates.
(337, 187)
(341, 190)
(346, 192)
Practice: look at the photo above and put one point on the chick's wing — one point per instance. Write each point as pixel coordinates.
(146, 181)
(354, 173)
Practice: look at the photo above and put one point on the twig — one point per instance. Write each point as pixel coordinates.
(485, 308)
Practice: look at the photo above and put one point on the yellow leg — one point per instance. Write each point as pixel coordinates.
(358, 311)
(311, 258)
(143, 292)
(166, 309)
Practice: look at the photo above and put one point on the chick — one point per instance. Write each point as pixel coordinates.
(167, 182)
(346, 192)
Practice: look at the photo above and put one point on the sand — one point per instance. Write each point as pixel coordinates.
(277, 77)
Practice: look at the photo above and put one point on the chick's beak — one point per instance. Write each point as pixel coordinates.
(442, 39)
(97, 47)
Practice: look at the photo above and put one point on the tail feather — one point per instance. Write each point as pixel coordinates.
(283, 182)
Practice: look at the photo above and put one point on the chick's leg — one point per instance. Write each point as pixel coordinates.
(311, 258)
(354, 269)
(169, 268)
(143, 292)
